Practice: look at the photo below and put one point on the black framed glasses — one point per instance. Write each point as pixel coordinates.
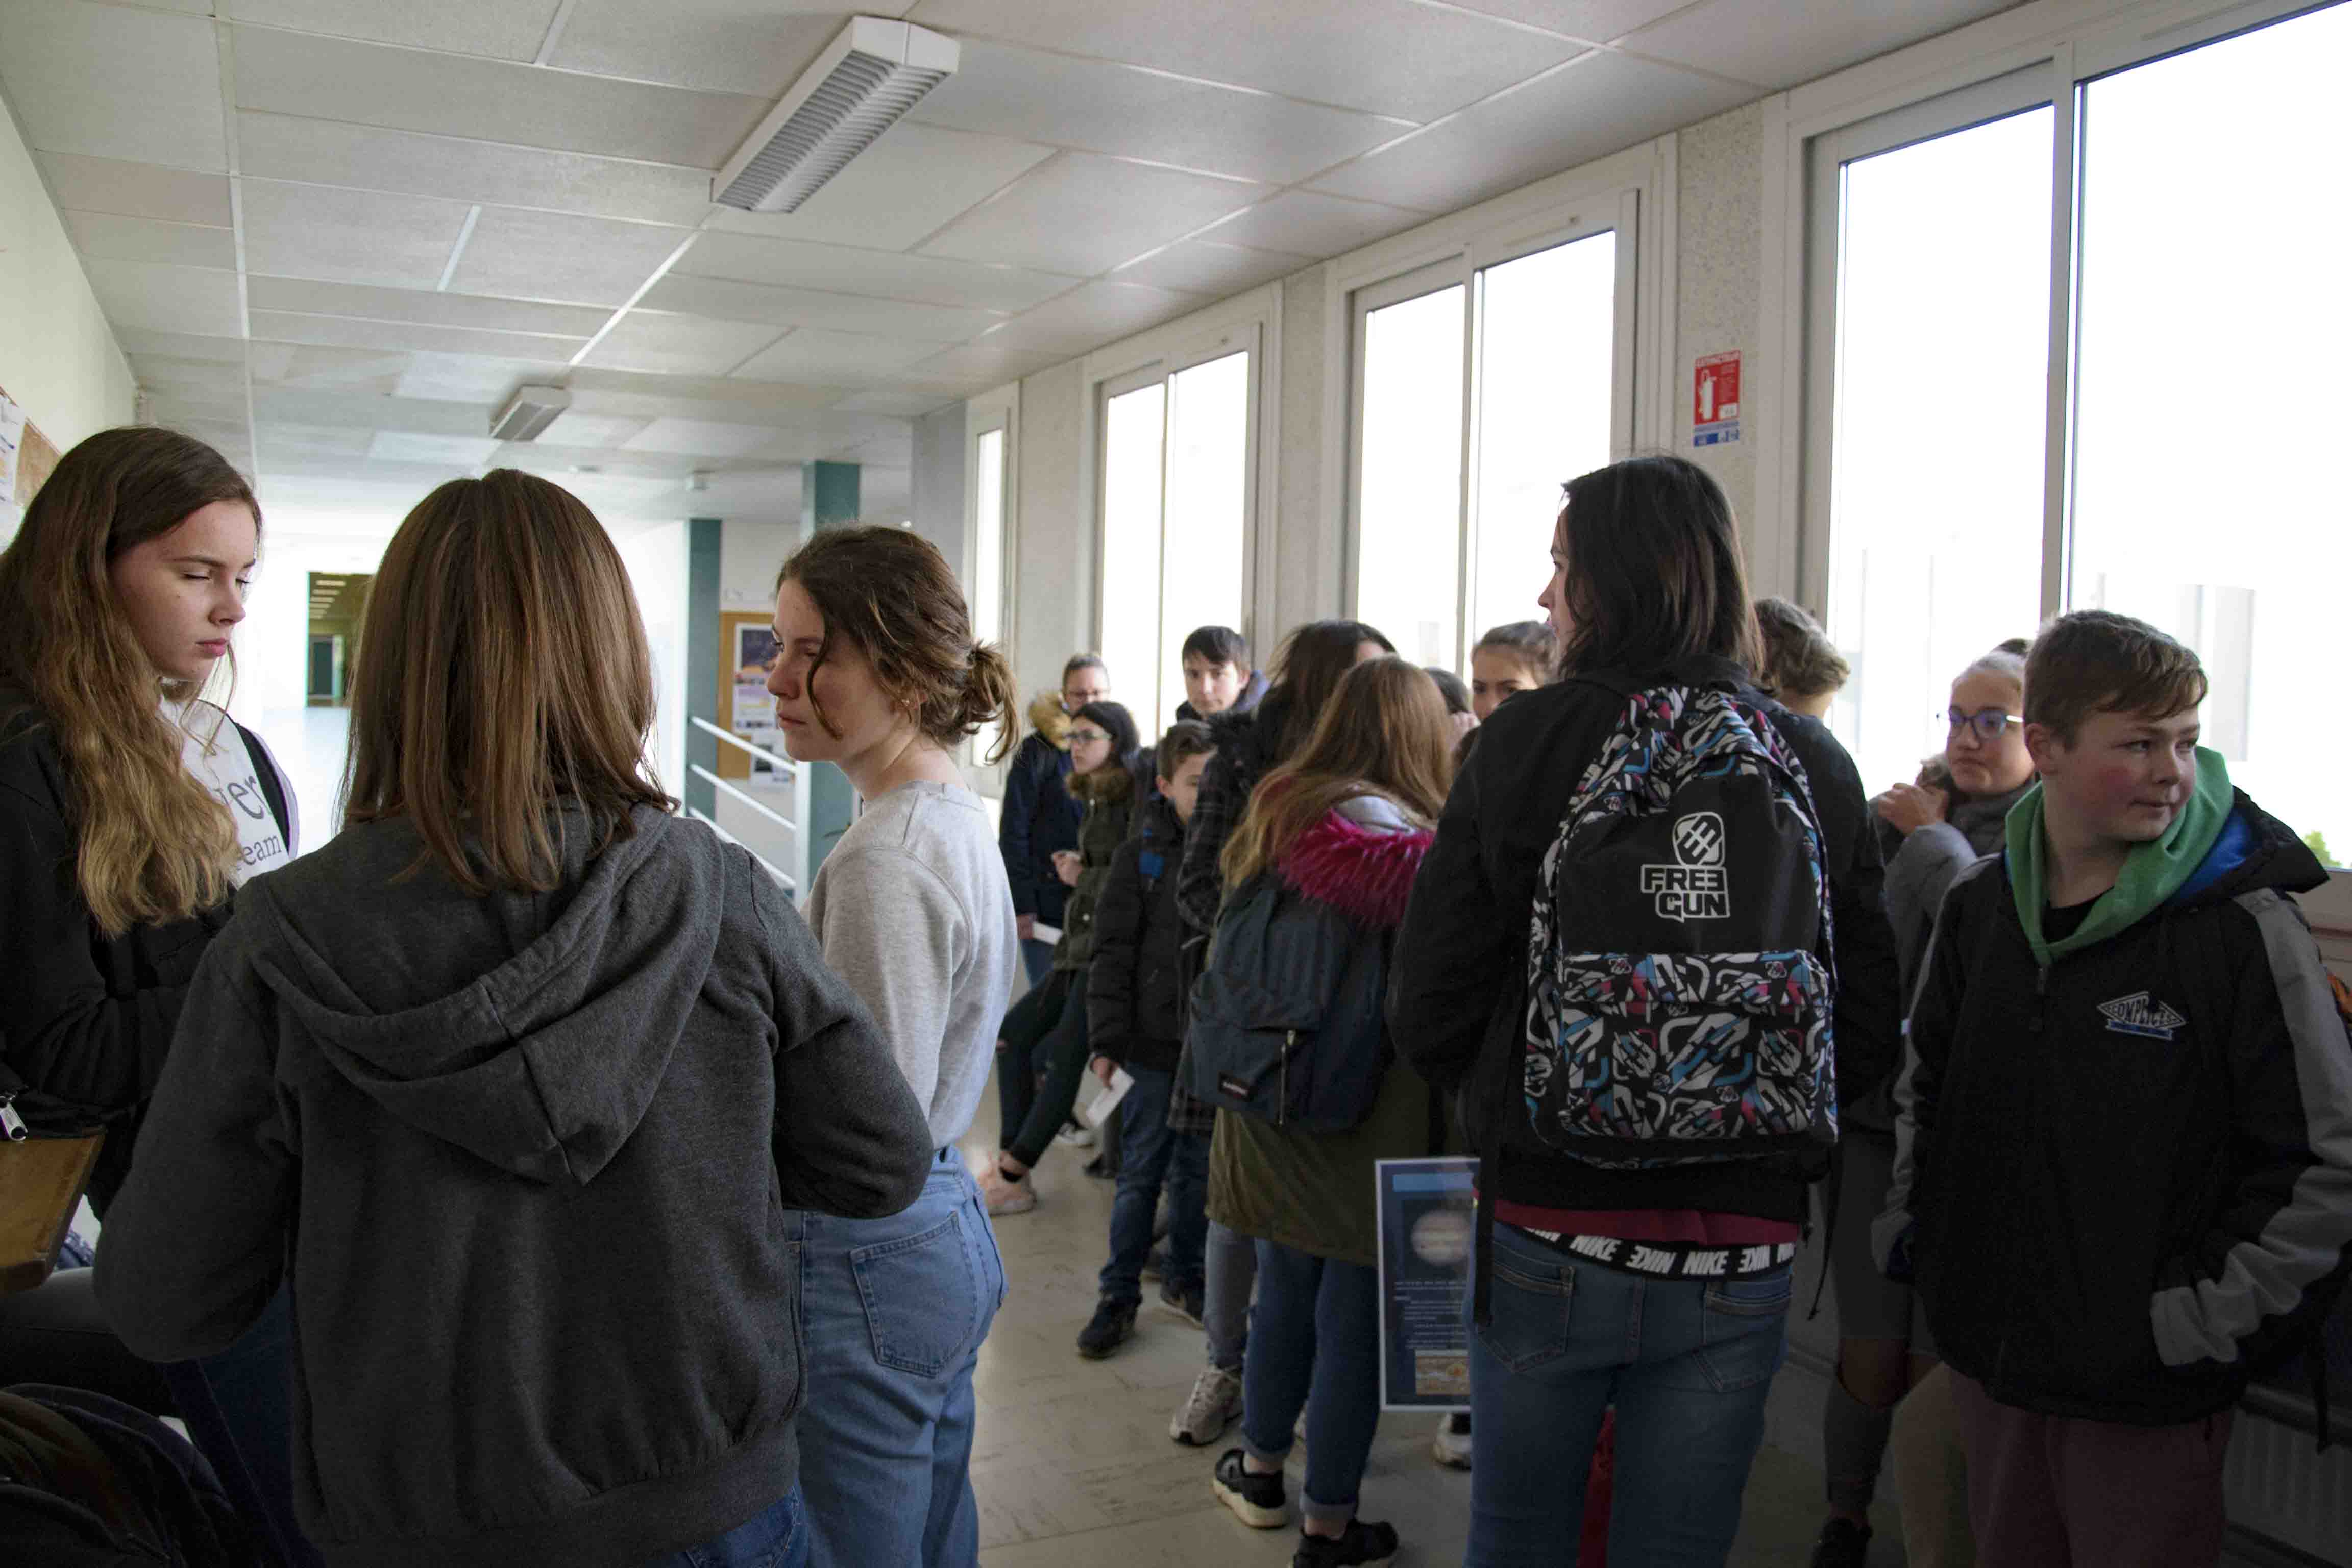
(1087, 737)
(1989, 723)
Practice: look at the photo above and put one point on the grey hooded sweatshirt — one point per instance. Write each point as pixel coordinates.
(531, 1163)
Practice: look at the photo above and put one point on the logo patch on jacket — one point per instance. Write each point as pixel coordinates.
(2140, 1014)
(1697, 887)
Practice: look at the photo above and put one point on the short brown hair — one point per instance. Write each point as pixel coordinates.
(890, 593)
(1654, 575)
(1186, 739)
(502, 668)
(1800, 661)
(2096, 661)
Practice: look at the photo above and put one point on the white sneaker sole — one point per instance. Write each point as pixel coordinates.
(1183, 1434)
(1250, 1513)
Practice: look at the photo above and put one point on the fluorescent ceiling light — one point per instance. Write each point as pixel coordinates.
(871, 74)
(530, 411)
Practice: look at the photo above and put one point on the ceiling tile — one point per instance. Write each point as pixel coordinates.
(409, 447)
(912, 182)
(167, 298)
(301, 365)
(105, 82)
(552, 256)
(137, 190)
(813, 308)
(681, 345)
(329, 152)
(809, 354)
(340, 331)
(366, 411)
(505, 29)
(436, 377)
(719, 46)
(1084, 213)
(1596, 21)
(573, 428)
(1584, 111)
(180, 345)
(618, 391)
(985, 365)
(166, 371)
(576, 321)
(1803, 42)
(287, 442)
(451, 95)
(147, 240)
(1385, 56)
(1089, 317)
(1205, 266)
(1305, 223)
(908, 404)
(352, 237)
(1108, 107)
(700, 437)
(873, 273)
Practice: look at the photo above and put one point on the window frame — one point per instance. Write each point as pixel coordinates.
(992, 411)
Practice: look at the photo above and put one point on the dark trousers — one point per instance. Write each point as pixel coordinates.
(1044, 1037)
(239, 1407)
(1152, 1155)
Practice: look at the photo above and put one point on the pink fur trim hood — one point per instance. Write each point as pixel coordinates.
(1364, 872)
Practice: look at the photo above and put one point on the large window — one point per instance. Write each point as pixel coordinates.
(1976, 460)
(1539, 396)
(989, 447)
(1176, 480)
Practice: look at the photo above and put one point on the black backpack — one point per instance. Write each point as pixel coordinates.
(89, 1482)
(1286, 1022)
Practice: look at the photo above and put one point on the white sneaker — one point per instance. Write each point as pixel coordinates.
(1452, 1446)
(1004, 1196)
(1077, 1134)
(1215, 1403)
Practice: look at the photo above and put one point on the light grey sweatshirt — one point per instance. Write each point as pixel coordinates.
(913, 910)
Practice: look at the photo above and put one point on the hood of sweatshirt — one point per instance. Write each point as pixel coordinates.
(530, 1030)
(2221, 845)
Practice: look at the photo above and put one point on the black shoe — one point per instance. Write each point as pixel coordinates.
(1256, 1498)
(1184, 1301)
(1843, 1544)
(1112, 1326)
(1101, 1170)
(1155, 1264)
(1361, 1543)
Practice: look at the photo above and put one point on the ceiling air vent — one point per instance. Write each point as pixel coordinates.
(530, 411)
(872, 73)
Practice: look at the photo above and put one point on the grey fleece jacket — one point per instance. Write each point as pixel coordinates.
(530, 1162)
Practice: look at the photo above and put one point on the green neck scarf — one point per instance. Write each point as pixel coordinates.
(2154, 872)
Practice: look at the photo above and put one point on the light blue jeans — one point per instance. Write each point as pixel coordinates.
(778, 1538)
(1687, 1364)
(895, 1311)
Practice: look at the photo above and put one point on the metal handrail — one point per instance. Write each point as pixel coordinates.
(771, 813)
(739, 744)
(726, 838)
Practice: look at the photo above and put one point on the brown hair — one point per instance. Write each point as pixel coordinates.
(1186, 739)
(1799, 659)
(502, 668)
(1529, 642)
(1384, 732)
(152, 846)
(1307, 668)
(1654, 575)
(2096, 661)
(889, 592)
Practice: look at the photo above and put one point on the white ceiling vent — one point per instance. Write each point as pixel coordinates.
(872, 73)
(529, 412)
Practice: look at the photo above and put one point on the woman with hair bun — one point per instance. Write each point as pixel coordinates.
(876, 671)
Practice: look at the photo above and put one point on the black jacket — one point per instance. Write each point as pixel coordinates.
(1039, 818)
(1249, 744)
(85, 1019)
(1457, 1001)
(1133, 994)
(2124, 1182)
(531, 1163)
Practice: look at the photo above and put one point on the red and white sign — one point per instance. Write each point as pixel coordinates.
(1715, 400)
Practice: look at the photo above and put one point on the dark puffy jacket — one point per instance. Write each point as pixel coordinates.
(1133, 997)
(1457, 1002)
(1249, 744)
(1108, 797)
(1039, 815)
(2124, 1182)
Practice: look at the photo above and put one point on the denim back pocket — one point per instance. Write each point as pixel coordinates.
(922, 1297)
(1744, 1330)
(1531, 1301)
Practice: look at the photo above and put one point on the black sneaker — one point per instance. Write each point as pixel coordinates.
(1843, 1544)
(1112, 1326)
(1256, 1498)
(1184, 1301)
(1361, 1543)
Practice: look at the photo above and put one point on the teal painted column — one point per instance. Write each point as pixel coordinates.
(701, 656)
(828, 499)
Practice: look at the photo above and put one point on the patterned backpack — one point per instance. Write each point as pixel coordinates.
(1679, 988)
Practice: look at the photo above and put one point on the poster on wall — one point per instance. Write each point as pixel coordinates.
(1428, 1223)
(1715, 400)
(11, 438)
(754, 715)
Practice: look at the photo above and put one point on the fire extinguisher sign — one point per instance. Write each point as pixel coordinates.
(1715, 400)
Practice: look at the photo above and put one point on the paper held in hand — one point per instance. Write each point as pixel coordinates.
(1121, 1080)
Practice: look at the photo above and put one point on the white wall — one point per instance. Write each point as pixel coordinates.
(57, 356)
(750, 554)
(1054, 558)
(657, 560)
(937, 500)
(1719, 294)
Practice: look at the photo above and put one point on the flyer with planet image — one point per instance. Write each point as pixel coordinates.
(1428, 1216)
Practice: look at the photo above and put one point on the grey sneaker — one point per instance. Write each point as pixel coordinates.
(1215, 1403)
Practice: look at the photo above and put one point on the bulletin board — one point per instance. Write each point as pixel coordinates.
(27, 458)
(746, 640)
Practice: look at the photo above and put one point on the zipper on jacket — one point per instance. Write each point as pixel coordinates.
(10, 1123)
(1281, 1111)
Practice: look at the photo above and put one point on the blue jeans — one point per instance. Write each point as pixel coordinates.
(1229, 1278)
(1686, 1362)
(1150, 1154)
(239, 1407)
(778, 1538)
(1314, 1341)
(894, 1311)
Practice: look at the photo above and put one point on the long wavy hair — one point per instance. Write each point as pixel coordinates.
(502, 669)
(152, 846)
(1384, 732)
